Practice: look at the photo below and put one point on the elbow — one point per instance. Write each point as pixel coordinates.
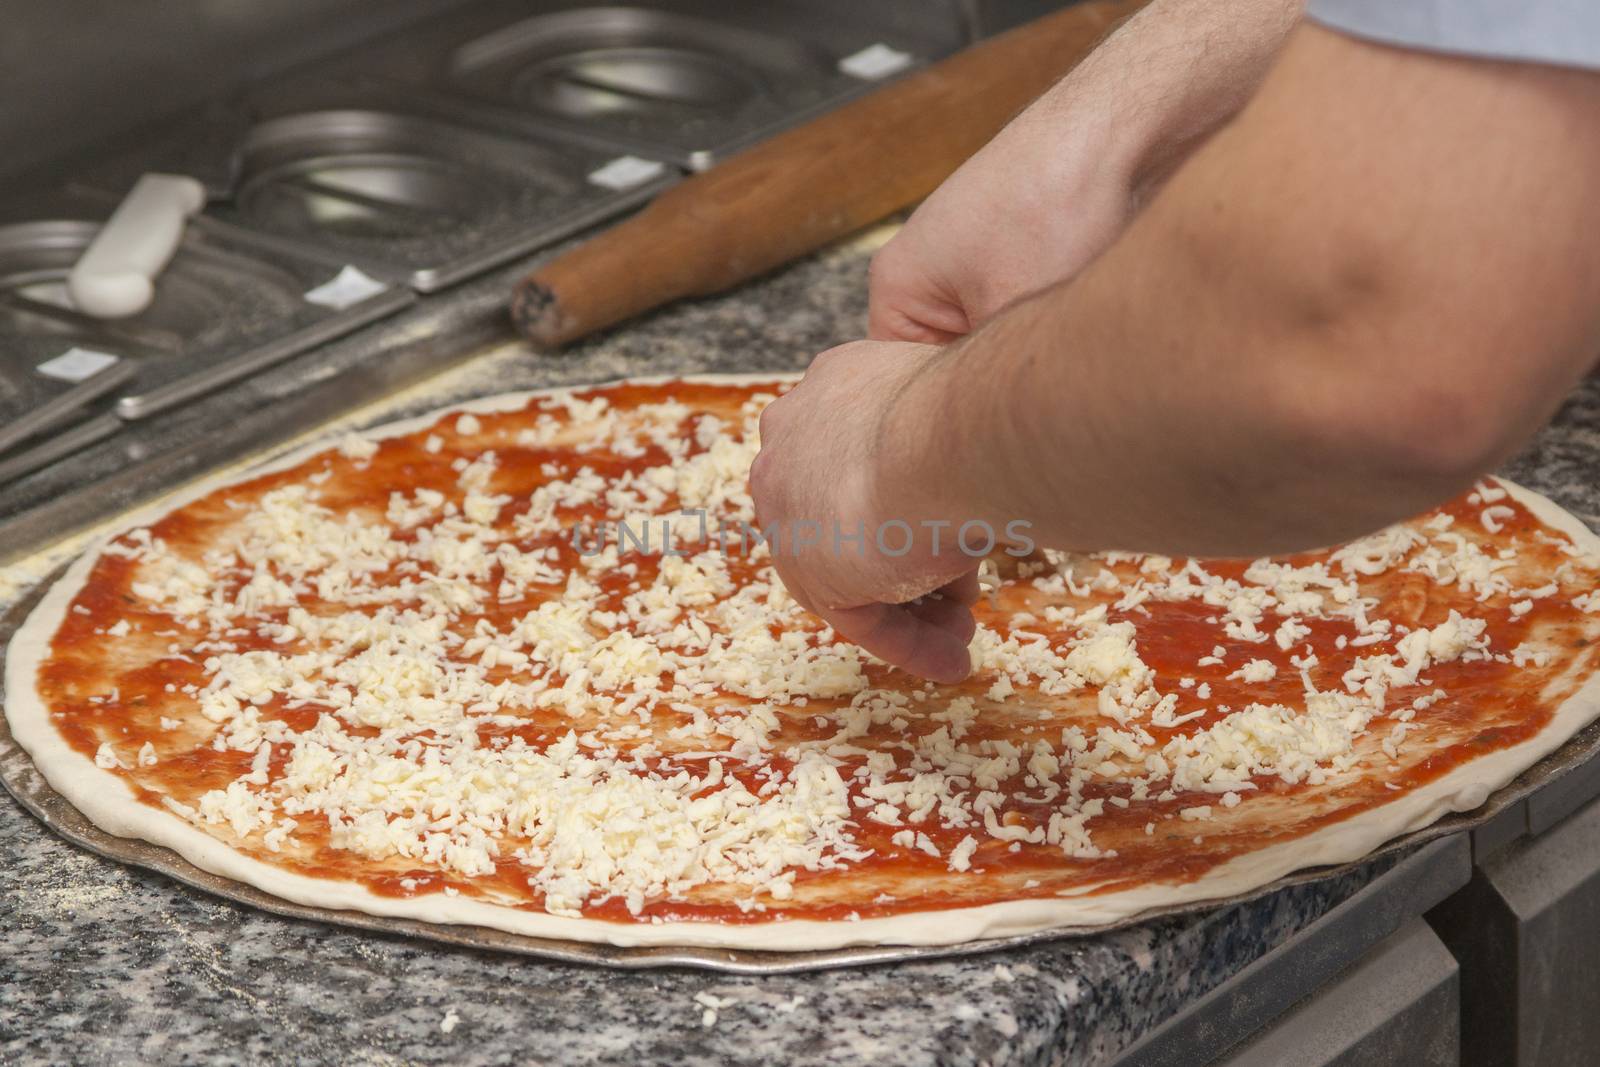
(1418, 392)
(1397, 390)
(1440, 437)
(1417, 428)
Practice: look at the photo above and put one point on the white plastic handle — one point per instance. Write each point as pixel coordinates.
(115, 276)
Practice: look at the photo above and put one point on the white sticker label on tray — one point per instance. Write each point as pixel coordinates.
(625, 172)
(349, 287)
(76, 364)
(875, 61)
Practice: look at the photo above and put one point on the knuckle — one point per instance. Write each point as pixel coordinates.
(760, 473)
(829, 356)
(768, 424)
(822, 359)
(882, 265)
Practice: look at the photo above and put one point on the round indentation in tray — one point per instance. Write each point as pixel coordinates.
(630, 62)
(364, 174)
(198, 292)
(361, 195)
(606, 81)
(12, 395)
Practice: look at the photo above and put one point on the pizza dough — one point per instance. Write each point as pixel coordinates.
(424, 673)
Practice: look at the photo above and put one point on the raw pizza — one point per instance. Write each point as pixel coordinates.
(527, 666)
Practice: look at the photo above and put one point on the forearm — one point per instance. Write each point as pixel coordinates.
(1144, 437)
(1061, 182)
(1107, 417)
(1357, 295)
(1164, 81)
(1297, 343)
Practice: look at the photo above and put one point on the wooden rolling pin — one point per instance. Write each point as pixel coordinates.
(813, 184)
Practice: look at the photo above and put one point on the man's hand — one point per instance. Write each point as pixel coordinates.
(850, 543)
(1367, 291)
(1062, 181)
(1032, 208)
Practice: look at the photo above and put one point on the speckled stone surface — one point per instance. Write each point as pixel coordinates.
(103, 964)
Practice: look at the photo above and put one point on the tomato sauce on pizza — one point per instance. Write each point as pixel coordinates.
(513, 656)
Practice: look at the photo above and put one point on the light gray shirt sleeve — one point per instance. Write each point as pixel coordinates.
(1563, 32)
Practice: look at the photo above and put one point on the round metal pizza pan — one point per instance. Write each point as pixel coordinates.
(23, 781)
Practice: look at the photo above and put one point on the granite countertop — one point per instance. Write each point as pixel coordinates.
(106, 964)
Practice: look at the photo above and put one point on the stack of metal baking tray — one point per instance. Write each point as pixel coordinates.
(688, 81)
(328, 209)
(227, 306)
(377, 179)
(417, 191)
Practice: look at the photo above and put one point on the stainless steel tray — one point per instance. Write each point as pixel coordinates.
(31, 402)
(39, 331)
(225, 307)
(684, 80)
(414, 191)
(23, 780)
(62, 441)
(427, 202)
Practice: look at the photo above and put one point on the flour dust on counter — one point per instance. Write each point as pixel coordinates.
(521, 664)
